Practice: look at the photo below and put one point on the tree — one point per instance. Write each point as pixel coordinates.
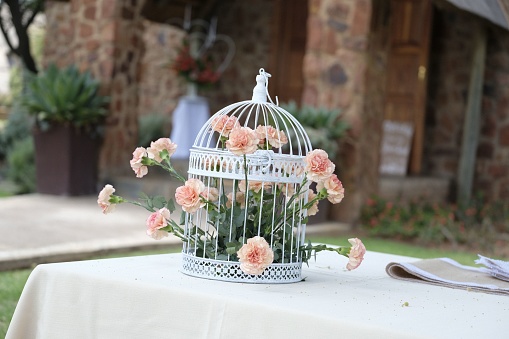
(18, 15)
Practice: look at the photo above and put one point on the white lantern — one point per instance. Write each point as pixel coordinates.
(253, 191)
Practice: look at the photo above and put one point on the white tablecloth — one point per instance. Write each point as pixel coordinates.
(146, 297)
(191, 114)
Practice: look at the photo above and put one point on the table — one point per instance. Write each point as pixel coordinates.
(146, 297)
(191, 113)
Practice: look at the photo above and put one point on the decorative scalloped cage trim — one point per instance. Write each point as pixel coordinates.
(262, 165)
(230, 271)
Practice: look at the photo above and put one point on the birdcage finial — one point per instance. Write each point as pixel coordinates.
(260, 92)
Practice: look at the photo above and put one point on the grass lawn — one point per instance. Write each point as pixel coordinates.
(12, 282)
(11, 285)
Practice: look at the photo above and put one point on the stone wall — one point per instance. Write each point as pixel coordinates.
(122, 129)
(492, 170)
(449, 70)
(104, 37)
(450, 66)
(59, 34)
(335, 76)
(248, 24)
(159, 88)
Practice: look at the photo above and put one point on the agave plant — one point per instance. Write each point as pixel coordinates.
(323, 126)
(64, 96)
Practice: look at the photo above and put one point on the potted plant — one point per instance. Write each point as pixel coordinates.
(324, 126)
(68, 112)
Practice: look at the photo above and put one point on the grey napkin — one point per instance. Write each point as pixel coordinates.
(448, 273)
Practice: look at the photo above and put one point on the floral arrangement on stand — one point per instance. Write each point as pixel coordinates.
(240, 230)
(194, 68)
(203, 55)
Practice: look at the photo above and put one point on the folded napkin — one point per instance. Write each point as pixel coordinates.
(497, 268)
(448, 273)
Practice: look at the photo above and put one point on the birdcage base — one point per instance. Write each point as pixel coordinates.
(230, 271)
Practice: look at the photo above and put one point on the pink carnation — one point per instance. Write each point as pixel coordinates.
(242, 140)
(335, 190)
(293, 169)
(356, 254)
(314, 208)
(224, 124)
(160, 145)
(255, 256)
(211, 194)
(103, 200)
(240, 198)
(288, 190)
(254, 186)
(188, 196)
(318, 165)
(156, 221)
(274, 137)
(136, 162)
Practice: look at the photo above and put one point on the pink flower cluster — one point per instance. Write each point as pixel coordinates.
(224, 124)
(271, 135)
(244, 140)
(320, 169)
(153, 152)
(199, 70)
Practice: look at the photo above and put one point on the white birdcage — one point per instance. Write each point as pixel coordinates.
(262, 193)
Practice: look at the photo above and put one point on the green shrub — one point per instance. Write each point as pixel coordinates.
(64, 96)
(476, 223)
(21, 165)
(18, 127)
(324, 126)
(150, 128)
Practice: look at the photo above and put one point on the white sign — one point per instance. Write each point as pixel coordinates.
(395, 150)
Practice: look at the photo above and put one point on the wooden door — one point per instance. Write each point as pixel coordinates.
(407, 65)
(288, 45)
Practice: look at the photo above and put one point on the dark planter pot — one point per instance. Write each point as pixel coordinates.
(66, 161)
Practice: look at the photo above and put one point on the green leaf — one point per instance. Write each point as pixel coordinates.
(238, 221)
(170, 205)
(214, 215)
(143, 196)
(222, 257)
(223, 229)
(231, 250)
(182, 218)
(231, 244)
(159, 202)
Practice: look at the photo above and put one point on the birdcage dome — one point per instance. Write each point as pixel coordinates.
(249, 156)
